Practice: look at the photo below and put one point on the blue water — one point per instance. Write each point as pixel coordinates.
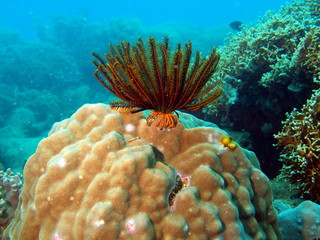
(46, 47)
(46, 72)
(19, 15)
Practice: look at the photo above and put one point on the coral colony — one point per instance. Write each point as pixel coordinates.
(182, 183)
(300, 140)
(119, 172)
(10, 188)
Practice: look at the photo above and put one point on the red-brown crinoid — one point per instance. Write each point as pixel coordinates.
(150, 76)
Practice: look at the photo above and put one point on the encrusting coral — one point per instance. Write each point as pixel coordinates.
(300, 140)
(150, 76)
(105, 175)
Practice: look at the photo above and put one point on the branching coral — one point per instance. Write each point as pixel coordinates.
(302, 60)
(282, 50)
(300, 140)
(280, 47)
(264, 66)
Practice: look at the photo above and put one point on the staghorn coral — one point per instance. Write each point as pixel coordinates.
(270, 68)
(10, 188)
(281, 50)
(277, 51)
(103, 175)
(150, 76)
(300, 143)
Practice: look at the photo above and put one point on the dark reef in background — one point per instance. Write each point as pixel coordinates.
(269, 69)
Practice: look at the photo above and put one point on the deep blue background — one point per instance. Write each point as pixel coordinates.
(19, 14)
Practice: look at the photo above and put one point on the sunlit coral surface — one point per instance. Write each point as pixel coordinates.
(103, 175)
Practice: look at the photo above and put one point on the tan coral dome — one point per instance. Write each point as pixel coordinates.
(103, 175)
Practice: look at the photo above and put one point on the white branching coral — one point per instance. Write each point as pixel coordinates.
(300, 139)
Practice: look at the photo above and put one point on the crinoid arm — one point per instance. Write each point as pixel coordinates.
(124, 107)
(200, 103)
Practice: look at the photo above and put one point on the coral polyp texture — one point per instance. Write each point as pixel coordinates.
(150, 76)
(10, 188)
(104, 175)
(300, 143)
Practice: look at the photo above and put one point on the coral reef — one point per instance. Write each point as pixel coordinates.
(300, 143)
(301, 223)
(78, 35)
(36, 65)
(282, 50)
(10, 188)
(105, 175)
(267, 64)
(31, 79)
(14, 149)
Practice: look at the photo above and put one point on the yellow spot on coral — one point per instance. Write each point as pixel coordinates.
(232, 145)
(225, 140)
(228, 142)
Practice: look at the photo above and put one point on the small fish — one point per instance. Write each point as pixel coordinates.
(236, 25)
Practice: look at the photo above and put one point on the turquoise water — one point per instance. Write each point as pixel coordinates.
(267, 68)
(20, 15)
(47, 72)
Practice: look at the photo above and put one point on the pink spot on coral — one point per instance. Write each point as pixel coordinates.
(56, 236)
(173, 205)
(131, 226)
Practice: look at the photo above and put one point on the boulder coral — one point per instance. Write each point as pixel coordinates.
(105, 175)
(301, 223)
(300, 143)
